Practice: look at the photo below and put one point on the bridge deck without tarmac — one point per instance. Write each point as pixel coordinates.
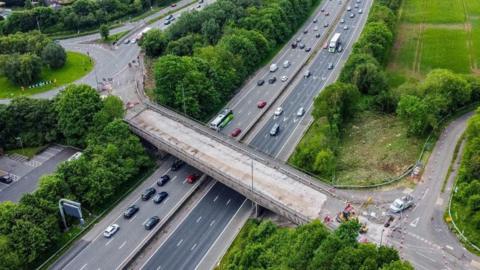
(235, 165)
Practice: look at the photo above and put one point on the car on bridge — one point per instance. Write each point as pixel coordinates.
(401, 204)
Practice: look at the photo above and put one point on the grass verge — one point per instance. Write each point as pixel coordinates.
(77, 66)
(26, 151)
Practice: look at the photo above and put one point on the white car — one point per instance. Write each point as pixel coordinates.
(284, 78)
(342, 20)
(300, 112)
(315, 28)
(111, 230)
(345, 27)
(401, 204)
(286, 64)
(273, 67)
(278, 111)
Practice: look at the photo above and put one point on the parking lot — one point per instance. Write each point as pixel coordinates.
(25, 173)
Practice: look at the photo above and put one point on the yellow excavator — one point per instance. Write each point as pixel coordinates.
(348, 214)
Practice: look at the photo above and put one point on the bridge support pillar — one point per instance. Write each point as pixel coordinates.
(256, 209)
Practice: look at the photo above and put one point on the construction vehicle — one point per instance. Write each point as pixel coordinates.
(349, 214)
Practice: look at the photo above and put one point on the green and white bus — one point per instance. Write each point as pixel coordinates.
(222, 119)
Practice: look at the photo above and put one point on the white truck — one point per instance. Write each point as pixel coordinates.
(334, 42)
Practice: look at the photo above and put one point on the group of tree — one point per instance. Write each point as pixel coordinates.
(82, 14)
(467, 196)
(22, 56)
(206, 55)
(264, 245)
(113, 157)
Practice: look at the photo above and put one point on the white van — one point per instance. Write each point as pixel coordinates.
(273, 67)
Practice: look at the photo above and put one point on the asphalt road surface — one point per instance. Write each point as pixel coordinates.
(110, 253)
(191, 240)
(244, 104)
(305, 91)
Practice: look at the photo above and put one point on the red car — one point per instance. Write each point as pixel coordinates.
(173, 5)
(235, 132)
(261, 104)
(192, 178)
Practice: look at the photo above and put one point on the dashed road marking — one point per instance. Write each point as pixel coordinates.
(414, 223)
(215, 199)
(228, 202)
(198, 219)
(179, 242)
(123, 244)
(211, 223)
(194, 246)
(83, 266)
(109, 241)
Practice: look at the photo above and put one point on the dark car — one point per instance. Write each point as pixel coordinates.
(7, 179)
(148, 193)
(305, 31)
(235, 132)
(294, 45)
(317, 35)
(275, 129)
(260, 82)
(151, 222)
(308, 49)
(325, 25)
(192, 178)
(167, 22)
(261, 104)
(131, 211)
(330, 65)
(177, 164)
(163, 180)
(272, 80)
(159, 197)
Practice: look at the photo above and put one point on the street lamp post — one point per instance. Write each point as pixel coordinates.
(183, 98)
(381, 236)
(21, 144)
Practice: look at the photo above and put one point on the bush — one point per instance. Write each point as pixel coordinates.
(54, 56)
(23, 69)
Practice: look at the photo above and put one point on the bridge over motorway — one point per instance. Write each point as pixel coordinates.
(263, 180)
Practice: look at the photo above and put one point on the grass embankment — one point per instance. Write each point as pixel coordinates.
(436, 34)
(77, 66)
(27, 151)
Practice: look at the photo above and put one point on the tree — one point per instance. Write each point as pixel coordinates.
(112, 109)
(154, 42)
(369, 79)
(104, 31)
(28, 240)
(76, 107)
(54, 55)
(211, 31)
(9, 258)
(416, 113)
(23, 69)
(353, 61)
(398, 265)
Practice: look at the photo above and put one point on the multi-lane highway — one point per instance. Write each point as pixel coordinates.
(190, 241)
(110, 253)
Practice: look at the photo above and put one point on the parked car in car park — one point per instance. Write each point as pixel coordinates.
(111, 230)
(352, 15)
(151, 222)
(131, 211)
(6, 179)
(148, 193)
(163, 180)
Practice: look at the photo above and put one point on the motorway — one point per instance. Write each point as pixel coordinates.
(99, 252)
(190, 241)
(244, 104)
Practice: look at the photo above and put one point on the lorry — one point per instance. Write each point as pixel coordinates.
(334, 42)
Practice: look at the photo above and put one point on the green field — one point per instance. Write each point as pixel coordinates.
(77, 66)
(437, 34)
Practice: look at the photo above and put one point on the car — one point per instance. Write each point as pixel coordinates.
(284, 78)
(173, 5)
(307, 74)
(275, 129)
(325, 45)
(315, 28)
(273, 67)
(127, 41)
(305, 31)
(148, 193)
(401, 204)
(358, 1)
(339, 48)
(360, 11)
(322, 10)
(272, 80)
(166, 22)
(278, 111)
(355, 6)
(6, 179)
(308, 49)
(345, 27)
(315, 20)
(199, 6)
(131, 211)
(300, 112)
(170, 17)
(301, 46)
(286, 64)
(325, 25)
(352, 15)
(342, 20)
(327, 13)
(163, 180)
(192, 178)
(200, 1)
(111, 230)
(261, 104)
(299, 39)
(294, 45)
(235, 132)
(159, 197)
(349, 8)
(389, 221)
(177, 164)
(260, 82)
(151, 222)
(317, 35)
(330, 65)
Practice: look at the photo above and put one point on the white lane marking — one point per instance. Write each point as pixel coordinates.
(211, 223)
(106, 244)
(215, 199)
(132, 218)
(199, 218)
(194, 246)
(164, 201)
(449, 247)
(228, 202)
(174, 177)
(414, 222)
(83, 266)
(179, 242)
(122, 245)
(159, 267)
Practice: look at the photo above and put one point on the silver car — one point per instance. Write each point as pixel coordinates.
(275, 129)
(300, 112)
